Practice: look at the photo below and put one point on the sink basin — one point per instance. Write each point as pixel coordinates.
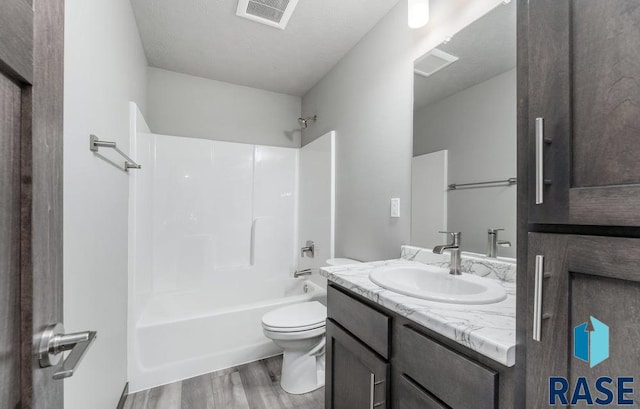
(436, 284)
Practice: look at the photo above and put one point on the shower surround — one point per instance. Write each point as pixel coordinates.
(212, 248)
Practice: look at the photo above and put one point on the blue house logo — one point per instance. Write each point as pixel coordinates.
(591, 345)
(591, 342)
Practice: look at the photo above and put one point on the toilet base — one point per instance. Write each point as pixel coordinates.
(302, 372)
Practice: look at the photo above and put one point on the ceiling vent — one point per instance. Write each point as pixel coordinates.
(433, 61)
(274, 13)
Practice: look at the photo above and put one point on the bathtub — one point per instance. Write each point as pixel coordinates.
(186, 334)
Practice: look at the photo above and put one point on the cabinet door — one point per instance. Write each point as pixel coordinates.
(547, 355)
(581, 278)
(356, 377)
(584, 85)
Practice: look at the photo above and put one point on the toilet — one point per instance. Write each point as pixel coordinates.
(299, 329)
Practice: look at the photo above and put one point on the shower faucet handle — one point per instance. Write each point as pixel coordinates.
(309, 249)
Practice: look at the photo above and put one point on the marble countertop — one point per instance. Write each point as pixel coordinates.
(488, 329)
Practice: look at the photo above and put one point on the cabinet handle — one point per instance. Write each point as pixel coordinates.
(537, 298)
(373, 389)
(539, 161)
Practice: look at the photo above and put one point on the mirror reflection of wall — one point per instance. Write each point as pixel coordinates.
(468, 109)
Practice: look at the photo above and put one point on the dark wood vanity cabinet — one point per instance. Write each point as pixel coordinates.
(378, 359)
(583, 131)
(580, 277)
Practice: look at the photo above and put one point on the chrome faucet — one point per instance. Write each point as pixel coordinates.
(454, 249)
(493, 243)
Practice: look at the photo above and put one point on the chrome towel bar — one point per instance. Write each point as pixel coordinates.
(95, 144)
(510, 181)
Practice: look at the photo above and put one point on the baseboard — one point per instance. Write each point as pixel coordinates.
(123, 398)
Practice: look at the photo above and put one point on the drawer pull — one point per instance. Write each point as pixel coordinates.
(373, 390)
(537, 298)
(540, 182)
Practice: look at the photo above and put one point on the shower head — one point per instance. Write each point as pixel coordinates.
(304, 122)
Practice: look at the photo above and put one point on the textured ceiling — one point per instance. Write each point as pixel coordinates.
(205, 38)
(486, 48)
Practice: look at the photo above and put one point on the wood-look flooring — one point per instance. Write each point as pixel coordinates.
(252, 386)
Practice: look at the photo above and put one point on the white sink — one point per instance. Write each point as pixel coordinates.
(436, 284)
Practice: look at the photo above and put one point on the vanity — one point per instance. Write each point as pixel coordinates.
(390, 350)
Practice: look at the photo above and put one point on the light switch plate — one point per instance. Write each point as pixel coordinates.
(395, 207)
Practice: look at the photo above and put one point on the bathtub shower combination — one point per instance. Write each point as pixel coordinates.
(212, 248)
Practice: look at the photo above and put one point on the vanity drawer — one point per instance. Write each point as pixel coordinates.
(444, 372)
(367, 324)
(408, 395)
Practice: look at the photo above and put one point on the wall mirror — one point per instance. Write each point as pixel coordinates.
(464, 141)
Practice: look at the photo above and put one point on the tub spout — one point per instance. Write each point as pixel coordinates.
(300, 273)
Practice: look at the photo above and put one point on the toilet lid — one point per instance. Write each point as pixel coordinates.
(341, 261)
(296, 316)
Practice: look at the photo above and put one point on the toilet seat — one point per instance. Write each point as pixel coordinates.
(294, 329)
(293, 336)
(301, 317)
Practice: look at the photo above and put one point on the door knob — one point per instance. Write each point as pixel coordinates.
(53, 342)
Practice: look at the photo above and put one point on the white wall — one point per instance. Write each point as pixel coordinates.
(478, 127)
(316, 203)
(105, 68)
(184, 105)
(368, 99)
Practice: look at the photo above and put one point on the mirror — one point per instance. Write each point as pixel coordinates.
(464, 141)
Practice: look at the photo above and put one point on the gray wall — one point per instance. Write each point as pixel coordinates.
(184, 105)
(105, 68)
(367, 99)
(478, 127)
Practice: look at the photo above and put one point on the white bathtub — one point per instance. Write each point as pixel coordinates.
(182, 335)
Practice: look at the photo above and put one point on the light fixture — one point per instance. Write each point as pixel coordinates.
(418, 13)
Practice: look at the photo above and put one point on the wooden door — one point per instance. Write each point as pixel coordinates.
(582, 277)
(584, 111)
(31, 79)
(356, 377)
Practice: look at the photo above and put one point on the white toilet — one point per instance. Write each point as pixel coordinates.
(299, 329)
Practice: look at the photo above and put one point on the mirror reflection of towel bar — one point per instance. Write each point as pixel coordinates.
(95, 144)
(510, 182)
